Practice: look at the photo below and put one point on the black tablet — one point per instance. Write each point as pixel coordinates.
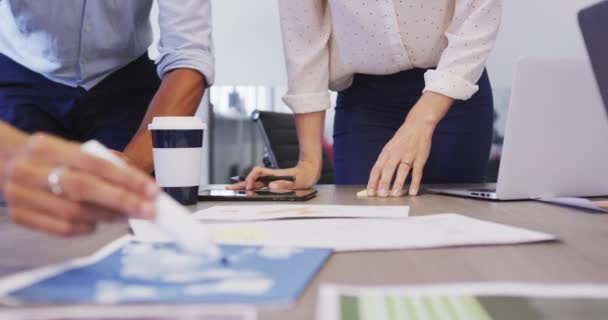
(256, 195)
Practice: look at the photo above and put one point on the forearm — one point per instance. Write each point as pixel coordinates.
(310, 128)
(180, 94)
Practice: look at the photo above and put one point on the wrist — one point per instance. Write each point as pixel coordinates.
(312, 170)
(311, 153)
(144, 163)
(310, 163)
(431, 108)
(311, 160)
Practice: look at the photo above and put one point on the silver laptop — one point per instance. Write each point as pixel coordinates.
(556, 138)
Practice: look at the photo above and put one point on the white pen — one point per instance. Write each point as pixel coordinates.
(171, 217)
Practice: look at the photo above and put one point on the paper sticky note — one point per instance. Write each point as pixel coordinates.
(240, 234)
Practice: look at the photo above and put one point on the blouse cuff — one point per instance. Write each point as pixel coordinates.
(308, 103)
(449, 84)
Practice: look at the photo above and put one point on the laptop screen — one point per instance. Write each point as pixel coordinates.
(594, 25)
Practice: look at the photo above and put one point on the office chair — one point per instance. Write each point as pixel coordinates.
(281, 143)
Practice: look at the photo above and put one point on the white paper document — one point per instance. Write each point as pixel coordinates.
(131, 312)
(273, 212)
(442, 230)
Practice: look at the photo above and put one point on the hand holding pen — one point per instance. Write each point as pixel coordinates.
(261, 182)
(302, 177)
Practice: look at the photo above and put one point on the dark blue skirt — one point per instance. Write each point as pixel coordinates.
(371, 111)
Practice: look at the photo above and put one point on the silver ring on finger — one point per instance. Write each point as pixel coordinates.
(54, 180)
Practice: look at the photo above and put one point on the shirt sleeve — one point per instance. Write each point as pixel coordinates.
(471, 37)
(185, 37)
(306, 28)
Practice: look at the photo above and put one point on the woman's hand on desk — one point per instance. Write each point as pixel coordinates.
(308, 170)
(306, 173)
(409, 149)
(50, 185)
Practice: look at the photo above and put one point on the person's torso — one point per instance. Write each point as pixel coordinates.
(74, 42)
(386, 36)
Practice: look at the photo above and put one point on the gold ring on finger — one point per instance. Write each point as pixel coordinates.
(409, 165)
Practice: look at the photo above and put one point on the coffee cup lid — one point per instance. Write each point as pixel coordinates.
(177, 123)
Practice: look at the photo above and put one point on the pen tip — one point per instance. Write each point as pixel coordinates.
(224, 261)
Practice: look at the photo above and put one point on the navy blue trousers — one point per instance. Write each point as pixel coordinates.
(110, 112)
(369, 113)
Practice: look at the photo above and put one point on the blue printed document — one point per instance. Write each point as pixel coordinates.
(129, 272)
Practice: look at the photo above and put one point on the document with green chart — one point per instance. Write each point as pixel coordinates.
(496, 301)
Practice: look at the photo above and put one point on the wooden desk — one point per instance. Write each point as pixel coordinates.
(581, 256)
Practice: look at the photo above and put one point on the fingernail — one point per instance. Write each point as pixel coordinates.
(413, 192)
(146, 210)
(396, 193)
(382, 193)
(371, 192)
(151, 190)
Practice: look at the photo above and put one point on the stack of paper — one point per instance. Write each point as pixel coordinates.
(130, 312)
(274, 212)
(441, 230)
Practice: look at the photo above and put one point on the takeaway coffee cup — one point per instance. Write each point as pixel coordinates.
(177, 148)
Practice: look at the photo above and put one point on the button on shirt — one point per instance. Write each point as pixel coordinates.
(327, 41)
(80, 42)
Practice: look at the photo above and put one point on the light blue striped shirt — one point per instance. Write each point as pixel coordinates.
(80, 42)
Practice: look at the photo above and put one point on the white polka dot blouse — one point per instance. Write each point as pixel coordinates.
(327, 41)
